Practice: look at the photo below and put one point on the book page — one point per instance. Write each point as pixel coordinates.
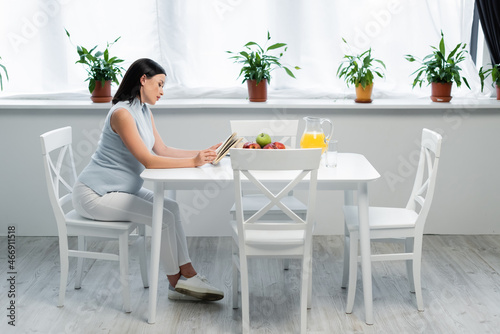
(230, 142)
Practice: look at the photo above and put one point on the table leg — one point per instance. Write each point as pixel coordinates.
(348, 200)
(155, 249)
(364, 240)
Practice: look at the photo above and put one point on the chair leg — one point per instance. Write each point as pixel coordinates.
(345, 273)
(417, 263)
(353, 271)
(418, 286)
(309, 286)
(82, 246)
(304, 291)
(123, 249)
(63, 255)
(142, 256)
(409, 263)
(245, 297)
(286, 262)
(235, 276)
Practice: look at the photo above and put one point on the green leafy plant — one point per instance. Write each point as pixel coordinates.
(494, 71)
(437, 67)
(99, 65)
(257, 63)
(6, 75)
(359, 69)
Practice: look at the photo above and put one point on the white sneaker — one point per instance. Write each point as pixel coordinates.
(174, 295)
(199, 287)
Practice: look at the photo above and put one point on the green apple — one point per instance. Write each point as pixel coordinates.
(263, 139)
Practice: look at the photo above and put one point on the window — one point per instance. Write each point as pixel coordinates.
(190, 37)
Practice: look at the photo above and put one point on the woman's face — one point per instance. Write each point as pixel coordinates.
(152, 88)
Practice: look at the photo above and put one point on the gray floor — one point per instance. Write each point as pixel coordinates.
(460, 278)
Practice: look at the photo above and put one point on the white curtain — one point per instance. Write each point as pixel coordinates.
(190, 37)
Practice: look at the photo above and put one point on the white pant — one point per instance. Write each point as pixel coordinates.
(138, 208)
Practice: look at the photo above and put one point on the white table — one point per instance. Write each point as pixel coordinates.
(352, 174)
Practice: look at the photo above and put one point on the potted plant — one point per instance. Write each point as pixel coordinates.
(258, 65)
(494, 71)
(358, 70)
(6, 75)
(101, 69)
(440, 70)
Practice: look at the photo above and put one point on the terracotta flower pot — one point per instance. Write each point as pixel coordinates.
(257, 93)
(102, 94)
(364, 95)
(441, 92)
(498, 92)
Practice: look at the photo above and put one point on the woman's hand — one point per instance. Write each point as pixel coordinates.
(205, 156)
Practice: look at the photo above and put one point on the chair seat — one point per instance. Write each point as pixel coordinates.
(381, 218)
(73, 218)
(278, 237)
(254, 202)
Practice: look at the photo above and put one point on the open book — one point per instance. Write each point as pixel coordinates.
(222, 150)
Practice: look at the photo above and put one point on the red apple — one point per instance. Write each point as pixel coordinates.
(279, 146)
(251, 145)
(270, 146)
(255, 146)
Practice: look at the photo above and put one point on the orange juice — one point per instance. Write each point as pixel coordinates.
(313, 140)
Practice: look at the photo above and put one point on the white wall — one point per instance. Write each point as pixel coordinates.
(467, 199)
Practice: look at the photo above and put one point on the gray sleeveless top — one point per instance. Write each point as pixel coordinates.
(113, 167)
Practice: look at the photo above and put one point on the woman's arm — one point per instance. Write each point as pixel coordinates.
(163, 150)
(124, 125)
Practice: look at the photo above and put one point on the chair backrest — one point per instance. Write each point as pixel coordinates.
(290, 166)
(425, 179)
(60, 172)
(282, 130)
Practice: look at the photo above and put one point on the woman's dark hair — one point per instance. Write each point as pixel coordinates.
(130, 86)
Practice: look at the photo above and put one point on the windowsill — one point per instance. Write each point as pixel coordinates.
(423, 103)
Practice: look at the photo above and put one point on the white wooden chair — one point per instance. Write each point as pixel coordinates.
(404, 225)
(257, 237)
(284, 131)
(60, 175)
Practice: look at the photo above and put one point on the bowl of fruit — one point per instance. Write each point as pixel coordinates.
(265, 142)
